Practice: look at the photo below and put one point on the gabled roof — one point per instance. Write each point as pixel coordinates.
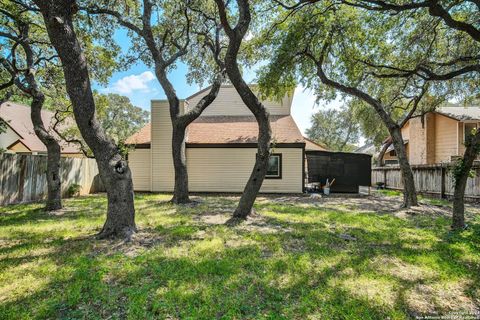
(17, 117)
(460, 113)
(230, 130)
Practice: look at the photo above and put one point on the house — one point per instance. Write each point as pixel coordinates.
(220, 147)
(438, 136)
(20, 137)
(368, 148)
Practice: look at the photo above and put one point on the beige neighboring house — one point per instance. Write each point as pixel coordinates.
(20, 137)
(220, 147)
(438, 137)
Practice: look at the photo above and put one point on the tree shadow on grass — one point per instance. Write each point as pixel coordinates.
(297, 268)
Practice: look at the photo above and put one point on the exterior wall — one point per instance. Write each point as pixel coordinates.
(139, 161)
(8, 137)
(228, 169)
(19, 147)
(163, 174)
(406, 131)
(228, 102)
(72, 155)
(417, 141)
(446, 138)
(430, 136)
(422, 140)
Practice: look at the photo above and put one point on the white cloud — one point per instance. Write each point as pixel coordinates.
(134, 82)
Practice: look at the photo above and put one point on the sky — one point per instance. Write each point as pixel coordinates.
(140, 85)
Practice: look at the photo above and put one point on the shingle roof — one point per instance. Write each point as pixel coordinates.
(230, 129)
(312, 145)
(17, 116)
(143, 136)
(460, 113)
(240, 129)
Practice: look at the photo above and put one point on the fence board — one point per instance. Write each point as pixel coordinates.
(23, 178)
(428, 179)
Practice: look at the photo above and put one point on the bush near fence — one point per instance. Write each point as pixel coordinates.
(23, 178)
(429, 179)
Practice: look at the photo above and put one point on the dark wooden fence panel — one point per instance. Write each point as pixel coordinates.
(432, 179)
(23, 178)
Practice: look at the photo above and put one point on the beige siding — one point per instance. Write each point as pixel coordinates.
(446, 138)
(228, 102)
(19, 147)
(431, 132)
(406, 131)
(162, 163)
(139, 161)
(228, 169)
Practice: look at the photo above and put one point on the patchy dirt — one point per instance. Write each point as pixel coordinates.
(368, 203)
(139, 242)
(441, 297)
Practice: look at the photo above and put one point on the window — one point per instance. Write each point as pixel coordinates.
(274, 170)
(468, 130)
(393, 153)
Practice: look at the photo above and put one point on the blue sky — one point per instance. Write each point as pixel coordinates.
(140, 85)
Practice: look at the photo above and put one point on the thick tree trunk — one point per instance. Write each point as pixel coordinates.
(461, 177)
(458, 213)
(409, 192)
(250, 192)
(54, 198)
(114, 171)
(180, 191)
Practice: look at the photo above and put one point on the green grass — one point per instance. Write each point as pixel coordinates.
(288, 263)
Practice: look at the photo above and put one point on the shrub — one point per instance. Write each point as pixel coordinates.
(74, 190)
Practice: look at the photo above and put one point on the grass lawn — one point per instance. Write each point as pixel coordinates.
(300, 258)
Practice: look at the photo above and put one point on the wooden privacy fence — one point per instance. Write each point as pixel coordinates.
(23, 178)
(430, 179)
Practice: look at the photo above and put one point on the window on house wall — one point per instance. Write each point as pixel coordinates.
(468, 130)
(274, 170)
(393, 153)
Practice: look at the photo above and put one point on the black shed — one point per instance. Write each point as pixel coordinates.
(350, 170)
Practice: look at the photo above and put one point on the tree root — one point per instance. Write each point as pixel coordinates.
(108, 233)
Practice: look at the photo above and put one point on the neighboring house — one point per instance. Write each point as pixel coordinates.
(368, 148)
(220, 147)
(438, 136)
(20, 136)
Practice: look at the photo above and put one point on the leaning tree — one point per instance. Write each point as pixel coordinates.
(324, 47)
(29, 60)
(166, 32)
(59, 19)
(236, 21)
(451, 59)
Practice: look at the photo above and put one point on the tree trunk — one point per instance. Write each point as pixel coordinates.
(461, 176)
(54, 198)
(381, 155)
(114, 170)
(250, 192)
(180, 190)
(409, 192)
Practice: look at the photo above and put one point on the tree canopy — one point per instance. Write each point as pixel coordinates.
(335, 128)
